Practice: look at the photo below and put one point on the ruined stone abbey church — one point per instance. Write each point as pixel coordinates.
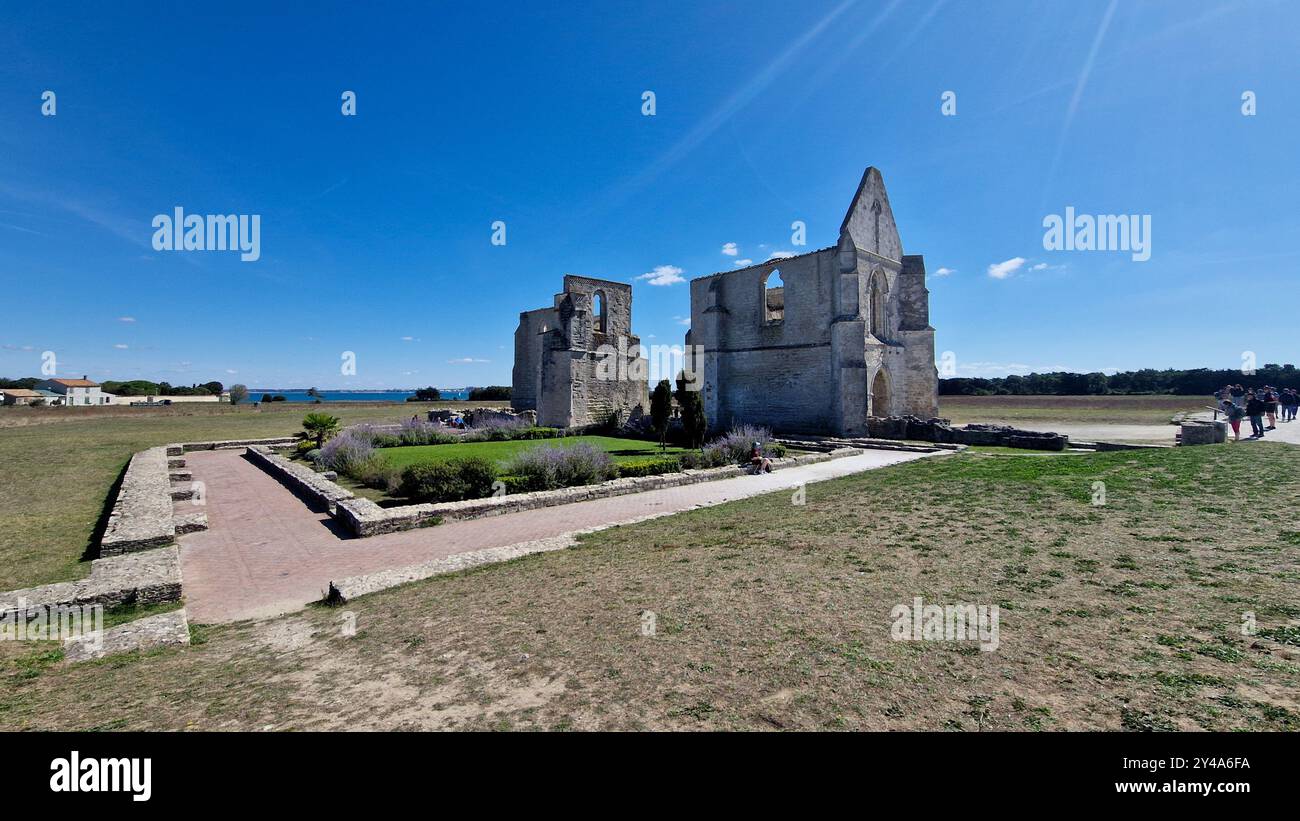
(813, 343)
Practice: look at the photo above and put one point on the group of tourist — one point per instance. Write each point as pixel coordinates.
(1259, 405)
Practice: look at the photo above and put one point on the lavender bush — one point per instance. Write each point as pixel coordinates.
(548, 467)
(347, 451)
(736, 445)
(495, 428)
(421, 432)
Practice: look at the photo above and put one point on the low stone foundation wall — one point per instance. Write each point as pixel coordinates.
(1203, 433)
(142, 513)
(162, 630)
(227, 444)
(940, 430)
(148, 577)
(365, 518)
(301, 479)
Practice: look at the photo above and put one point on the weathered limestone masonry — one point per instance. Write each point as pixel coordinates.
(142, 514)
(819, 342)
(365, 518)
(939, 430)
(162, 630)
(563, 353)
(302, 479)
(147, 577)
(227, 444)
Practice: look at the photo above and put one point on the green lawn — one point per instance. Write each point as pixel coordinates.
(1122, 615)
(621, 450)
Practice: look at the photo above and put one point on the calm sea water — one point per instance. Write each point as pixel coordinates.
(255, 395)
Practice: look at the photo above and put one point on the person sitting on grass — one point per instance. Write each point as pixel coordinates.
(758, 463)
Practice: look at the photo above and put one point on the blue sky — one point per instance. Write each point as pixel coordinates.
(375, 229)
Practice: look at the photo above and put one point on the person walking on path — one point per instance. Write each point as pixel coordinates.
(1255, 407)
(1270, 406)
(1290, 404)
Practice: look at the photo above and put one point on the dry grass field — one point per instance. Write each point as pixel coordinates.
(1125, 615)
(1067, 410)
(60, 465)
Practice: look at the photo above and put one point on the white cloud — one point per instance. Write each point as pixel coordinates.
(126, 319)
(409, 339)
(683, 320)
(467, 360)
(120, 346)
(743, 262)
(781, 255)
(1042, 266)
(730, 249)
(231, 370)
(1002, 270)
(943, 272)
(663, 275)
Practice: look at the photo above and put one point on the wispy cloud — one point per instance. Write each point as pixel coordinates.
(730, 249)
(126, 319)
(743, 262)
(943, 272)
(1002, 270)
(663, 275)
(781, 255)
(120, 346)
(467, 360)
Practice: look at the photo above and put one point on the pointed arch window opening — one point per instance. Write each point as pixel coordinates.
(598, 312)
(774, 297)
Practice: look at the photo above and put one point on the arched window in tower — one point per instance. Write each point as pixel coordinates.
(774, 297)
(598, 311)
(877, 303)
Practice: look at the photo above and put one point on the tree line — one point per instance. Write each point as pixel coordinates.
(1184, 382)
(134, 387)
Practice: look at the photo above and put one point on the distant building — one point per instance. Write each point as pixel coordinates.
(19, 396)
(76, 392)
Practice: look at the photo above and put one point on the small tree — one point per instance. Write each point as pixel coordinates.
(429, 394)
(320, 426)
(694, 423)
(238, 393)
(661, 408)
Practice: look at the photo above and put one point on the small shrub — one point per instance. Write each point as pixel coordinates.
(305, 446)
(469, 477)
(653, 466)
(375, 472)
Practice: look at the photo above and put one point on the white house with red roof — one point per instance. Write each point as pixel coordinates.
(77, 392)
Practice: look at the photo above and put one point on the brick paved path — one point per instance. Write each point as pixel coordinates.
(266, 552)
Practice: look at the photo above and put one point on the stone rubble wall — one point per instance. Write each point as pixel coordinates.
(300, 478)
(162, 630)
(365, 518)
(228, 444)
(142, 513)
(1203, 433)
(940, 430)
(146, 577)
